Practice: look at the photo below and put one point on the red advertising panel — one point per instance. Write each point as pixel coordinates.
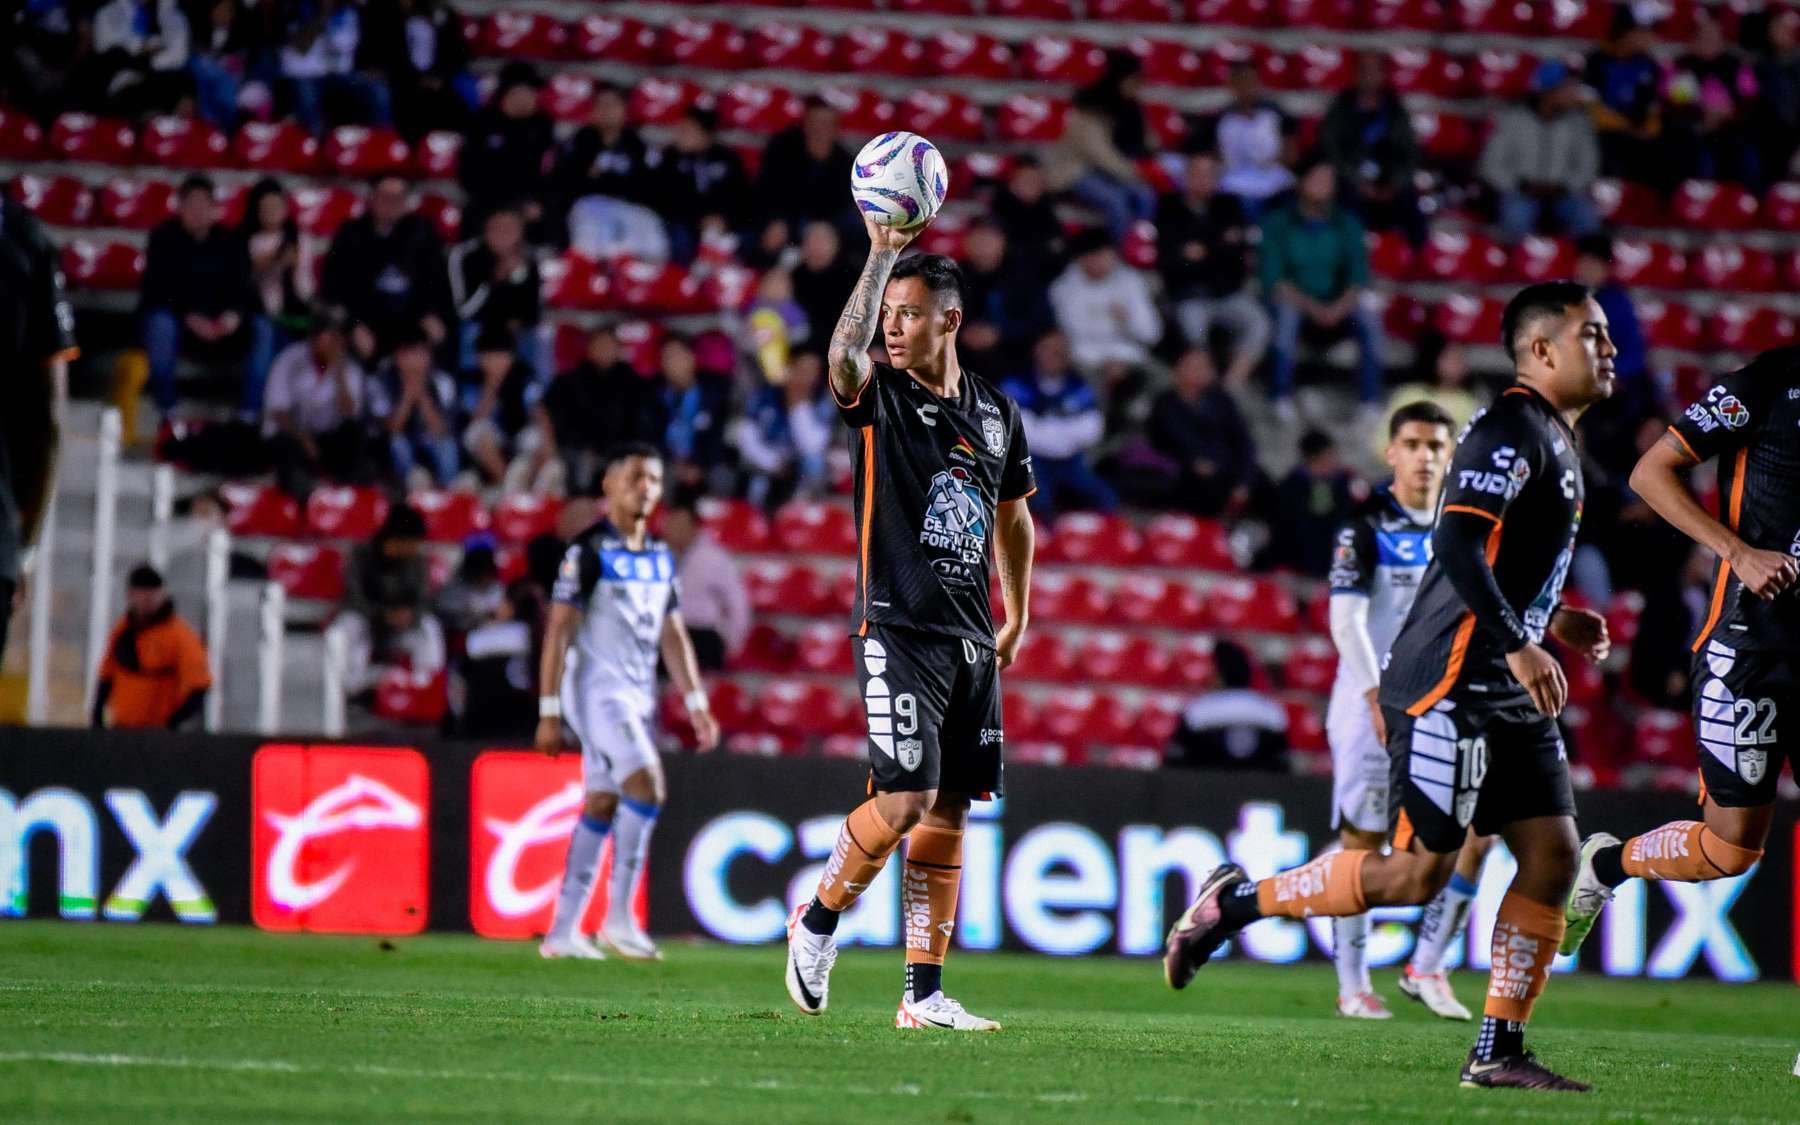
(340, 839)
(522, 808)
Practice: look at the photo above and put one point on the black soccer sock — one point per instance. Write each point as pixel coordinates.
(1609, 864)
(819, 918)
(923, 979)
(1237, 906)
(1499, 1039)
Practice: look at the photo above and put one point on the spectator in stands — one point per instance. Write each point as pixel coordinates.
(1627, 110)
(1027, 215)
(1675, 605)
(1233, 726)
(498, 291)
(1315, 268)
(804, 172)
(1544, 156)
(1105, 309)
(508, 151)
(401, 636)
(416, 403)
(1440, 375)
(391, 567)
(592, 407)
(821, 278)
(1005, 307)
(138, 61)
(493, 691)
(1368, 137)
(702, 188)
(1254, 141)
(1203, 252)
(219, 63)
(1310, 503)
(1778, 75)
(473, 595)
(281, 262)
(386, 269)
(776, 324)
(497, 404)
(315, 407)
(1103, 133)
(1196, 424)
(715, 603)
(1709, 107)
(319, 67)
(37, 62)
(606, 156)
(418, 45)
(198, 300)
(1063, 425)
(155, 673)
(786, 433)
(697, 408)
(1593, 268)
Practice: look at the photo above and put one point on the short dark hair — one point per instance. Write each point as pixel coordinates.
(144, 577)
(1598, 245)
(707, 119)
(403, 522)
(1088, 240)
(941, 275)
(193, 183)
(1234, 665)
(1534, 303)
(1315, 442)
(494, 338)
(626, 450)
(1430, 413)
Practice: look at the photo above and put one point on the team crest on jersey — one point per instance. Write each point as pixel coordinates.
(995, 433)
(954, 520)
(1752, 764)
(910, 752)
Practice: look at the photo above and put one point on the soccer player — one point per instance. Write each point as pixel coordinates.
(1380, 557)
(942, 474)
(1746, 672)
(616, 601)
(1470, 696)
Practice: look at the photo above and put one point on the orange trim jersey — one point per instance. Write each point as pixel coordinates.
(930, 472)
(1501, 551)
(1750, 421)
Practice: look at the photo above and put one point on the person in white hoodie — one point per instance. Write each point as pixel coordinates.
(1105, 309)
(141, 55)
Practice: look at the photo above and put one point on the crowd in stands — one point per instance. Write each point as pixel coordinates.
(395, 356)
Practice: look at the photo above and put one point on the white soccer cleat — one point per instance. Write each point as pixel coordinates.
(809, 961)
(630, 943)
(938, 1010)
(1433, 991)
(572, 946)
(1363, 1006)
(1589, 896)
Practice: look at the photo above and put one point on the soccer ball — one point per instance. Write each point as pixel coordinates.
(899, 180)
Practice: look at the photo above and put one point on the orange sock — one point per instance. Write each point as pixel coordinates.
(1685, 851)
(863, 846)
(1526, 934)
(1330, 885)
(931, 879)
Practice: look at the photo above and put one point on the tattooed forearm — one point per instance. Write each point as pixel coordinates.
(848, 356)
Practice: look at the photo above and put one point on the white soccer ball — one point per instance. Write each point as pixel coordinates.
(899, 180)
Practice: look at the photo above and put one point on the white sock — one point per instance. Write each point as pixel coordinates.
(1349, 951)
(1443, 920)
(578, 874)
(631, 844)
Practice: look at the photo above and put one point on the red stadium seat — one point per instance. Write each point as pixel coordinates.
(823, 648)
(934, 7)
(103, 265)
(1168, 129)
(1468, 320)
(1168, 63)
(943, 114)
(1623, 616)
(1031, 9)
(1401, 316)
(1622, 203)
(840, 588)
(860, 110)
(731, 705)
(1045, 655)
(1650, 265)
(1461, 256)
(322, 210)
(1578, 20)
(1313, 67)
(791, 46)
(704, 45)
(1097, 540)
(252, 510)
(1060, 595)
(135, 204)
(1390, 254)
(445, 217)
(813, 527)
(61, 201)
(1050, 58)
(89, 139)
(1236, 13)
(869, 49)
(1130, 11)
(1191, 663)
(1710, 205)
(1330, 15)
(1030, 117)
(345, 512)
(1159, 718)
(1669, 324)
(1504, 17)
(766, 649)
(1537, 258)
(737, 524)
(1311, 666)
(1148, 600)
(1036, 752)
(521, 517)
(1306, 730)
(728, 288)
(1587, 684)
(1259, 604)
(20, 137)
(520, 33)
(402, 698)
(643, 341)
(179, 142)
(784, 586)
(1122, 658)
(661, 101)
(573, 282)
(810, 710)
(1503, 74)
(276, 147)
(436, 155)
(1781, 206)
(1422, 70)
(450, 517)
(1735, 269)
(309, 571)
(1445, 136)
(1171, 539)
(1663, 737)
(650, 287)
(569, 97)
(1222, 56)
(1744, 329)
(360, 152)
(955, 53)
(612, 38)
(758, 109)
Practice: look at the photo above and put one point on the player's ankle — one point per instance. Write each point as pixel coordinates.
(1238, 906)
(923, 979)
(1609, 864)
(819, 918)
(1499, 1039)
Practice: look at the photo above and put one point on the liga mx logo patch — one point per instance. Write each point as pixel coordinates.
(995, 433)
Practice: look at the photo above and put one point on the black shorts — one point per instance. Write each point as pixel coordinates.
(933, 706)
(1742, 700)
(1472, 761)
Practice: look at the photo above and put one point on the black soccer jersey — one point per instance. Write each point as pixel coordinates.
(929, 473)
(1500, 553)
(1751, 422)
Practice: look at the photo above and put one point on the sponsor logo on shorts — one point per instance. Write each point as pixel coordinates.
(910, 752)
(992, 736)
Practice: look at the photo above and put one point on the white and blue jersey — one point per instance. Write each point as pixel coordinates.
(1381, 554)
(624, 595)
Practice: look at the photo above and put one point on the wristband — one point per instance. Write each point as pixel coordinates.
(549, 707)
(696, 701)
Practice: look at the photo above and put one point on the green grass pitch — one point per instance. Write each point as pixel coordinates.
(166, 1022)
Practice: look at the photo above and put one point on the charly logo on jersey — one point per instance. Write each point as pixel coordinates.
(927, 413)
(995, 433)
(954, 520)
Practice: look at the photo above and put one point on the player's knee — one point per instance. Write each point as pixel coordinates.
(600, 806)
(645, 786)
(950, 810)
(903, 811)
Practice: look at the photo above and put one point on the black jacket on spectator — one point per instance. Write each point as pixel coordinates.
(505, 159)
(209, 276)
(1034, 235)
(821, 293)
(1308, 512)
(1015, 300)
(1374, 146)
(589, 165)
(1219, 226)
(794, 187)
(692, 185)
(1211, 429)
(512, 302)
(387, 281)
(594, 410)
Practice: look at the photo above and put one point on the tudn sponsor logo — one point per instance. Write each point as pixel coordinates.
(358, 804)
(550, 821)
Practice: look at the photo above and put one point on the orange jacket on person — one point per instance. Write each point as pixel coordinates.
(147, 676)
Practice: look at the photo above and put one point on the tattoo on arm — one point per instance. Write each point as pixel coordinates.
(848, 356)
(1014, 547)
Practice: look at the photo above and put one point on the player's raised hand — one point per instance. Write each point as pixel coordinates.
(1542, 678)
(1582, 630)
(1006, 644)
(706, 730)
(549, 739)
(1765, 573)
(891, 238)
